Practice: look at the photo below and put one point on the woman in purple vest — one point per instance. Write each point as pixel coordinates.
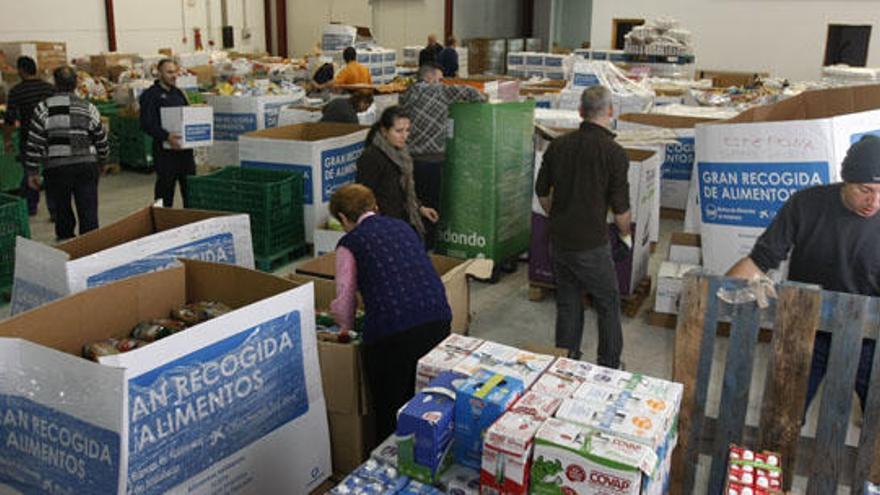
(405, 306)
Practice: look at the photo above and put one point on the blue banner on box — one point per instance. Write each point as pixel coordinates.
(582, 80)
(218, 248)
(339, 167)
(287, 167)
(48, 451)
(271, 112)
(228, 126)
(197, 132)
(195, 411)
(750, 194)
(679, 163)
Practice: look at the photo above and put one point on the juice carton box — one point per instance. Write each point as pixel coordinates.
(537, 405)
(444, 357)
(479, 401)
(647, 429)
(510, 361)
(553, 385)
(507, 454)
(570, 368)
(626, 400)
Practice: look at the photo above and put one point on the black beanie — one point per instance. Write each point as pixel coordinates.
(862, 162)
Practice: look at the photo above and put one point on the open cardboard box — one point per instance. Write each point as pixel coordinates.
(147, 240)
(217, 407)
(453, 273)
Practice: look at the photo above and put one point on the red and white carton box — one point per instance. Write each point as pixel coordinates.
(448, 354)
(553, 385)
(537, 405)
(507, 454)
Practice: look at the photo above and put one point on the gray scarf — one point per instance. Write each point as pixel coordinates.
(404, 163)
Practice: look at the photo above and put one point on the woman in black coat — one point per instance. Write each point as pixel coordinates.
(387, 169)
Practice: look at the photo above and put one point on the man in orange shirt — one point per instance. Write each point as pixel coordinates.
(353, 72)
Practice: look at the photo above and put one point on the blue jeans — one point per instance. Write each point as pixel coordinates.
(591, 271)
(821, 351)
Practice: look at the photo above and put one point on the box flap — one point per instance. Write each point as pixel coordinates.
(320, 267)
(685, 239)
(307, 132)
(35, 261)
(819, 104)
(638, 155)
(665, 121)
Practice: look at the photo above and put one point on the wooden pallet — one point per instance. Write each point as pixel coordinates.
(629, 305)
(280, 258)
(669, 321)
(798, 312)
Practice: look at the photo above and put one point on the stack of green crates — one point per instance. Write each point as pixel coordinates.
(110, 109)
(272, 198)
(135, 147)
(10, 169)
(13, 223)
(486, 201)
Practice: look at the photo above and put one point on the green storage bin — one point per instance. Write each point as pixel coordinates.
(272, 198)
(486, 199)
(13, 223)
(11, 170)
(133, 147)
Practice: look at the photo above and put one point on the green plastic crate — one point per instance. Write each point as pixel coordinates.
(13, 223)
(272, 198)
(11, 170)
(486, 199)
(133, 147)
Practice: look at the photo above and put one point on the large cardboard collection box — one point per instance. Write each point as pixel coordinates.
(194, 124)
(220, 407)
(236, 115)
(47, 54)
(453, 273)
(325, 153)
(100, 65)
(487, 56)
(147, 240)
(749, 166)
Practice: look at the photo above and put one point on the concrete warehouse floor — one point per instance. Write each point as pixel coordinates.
(503, 313)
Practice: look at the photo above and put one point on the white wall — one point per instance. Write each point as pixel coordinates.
(306, 19)
(543, 21)
(399, 23)
(487, 19)
(784, 37)
(141, 26)
(574, 22)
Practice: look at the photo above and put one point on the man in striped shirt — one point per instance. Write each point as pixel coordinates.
(68, 139)
(23, 98)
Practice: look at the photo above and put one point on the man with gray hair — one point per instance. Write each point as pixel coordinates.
(583, 174)
(68, 139)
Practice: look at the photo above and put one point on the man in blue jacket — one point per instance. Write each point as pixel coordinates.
(173, 164)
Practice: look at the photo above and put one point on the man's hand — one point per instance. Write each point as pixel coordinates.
(175, 140)
(745, 269)
(34, 182)
(429, 213)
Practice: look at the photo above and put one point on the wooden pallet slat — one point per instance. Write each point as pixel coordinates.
(797, 318)
(847, 327)
(866, 466)
(735, 389)
(692, 362)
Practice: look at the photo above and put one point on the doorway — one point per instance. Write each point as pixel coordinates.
(620, 28)
(847, 44)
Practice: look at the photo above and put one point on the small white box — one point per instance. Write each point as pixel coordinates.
(194, 124)
(685, 248)
(669, 283)
(326, 240)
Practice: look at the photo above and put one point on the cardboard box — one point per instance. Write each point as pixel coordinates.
(571, 368)
(100, 64)
(48, 54)
(454, 274)
(444, 358)
(479, 401)
(685, 248)
(537, 405)
(505, 360)
(748, 166)
(326, 239)
(670, 278)
(147, 240)
(635, 383)
(507, 454)
(630, 425)
(194, 124)
(237, 115)
(574, 459)
(552, 385)
(219, 406)
(326, 153)
(204, 74)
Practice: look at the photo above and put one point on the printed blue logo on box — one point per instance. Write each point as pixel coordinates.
(46, 451)
(287, 167)
(679, 163)
(228, 126)
(750, 194)
(585, 80)
(218, 248)
(197, 132)
(191, 413)
(339, 167)
(271, 112)
(855, 138)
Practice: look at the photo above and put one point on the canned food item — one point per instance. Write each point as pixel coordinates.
(110, 347)
(198, 312)
(153, 330)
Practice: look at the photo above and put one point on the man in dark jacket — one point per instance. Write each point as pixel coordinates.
(23, 98)
(584, 173)
(173, 164)
(448, 58)
(67, 138)
(429, 54)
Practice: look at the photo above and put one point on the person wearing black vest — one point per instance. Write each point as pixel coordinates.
(173, 164)
(406, 313)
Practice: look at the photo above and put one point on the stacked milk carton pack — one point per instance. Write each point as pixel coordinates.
(382, 63)
(541, 65)
(492, 419)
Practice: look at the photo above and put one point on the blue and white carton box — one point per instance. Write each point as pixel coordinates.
(479, 401)
(194, 124)
(148, 240)
(225, 406)
(326, 153)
